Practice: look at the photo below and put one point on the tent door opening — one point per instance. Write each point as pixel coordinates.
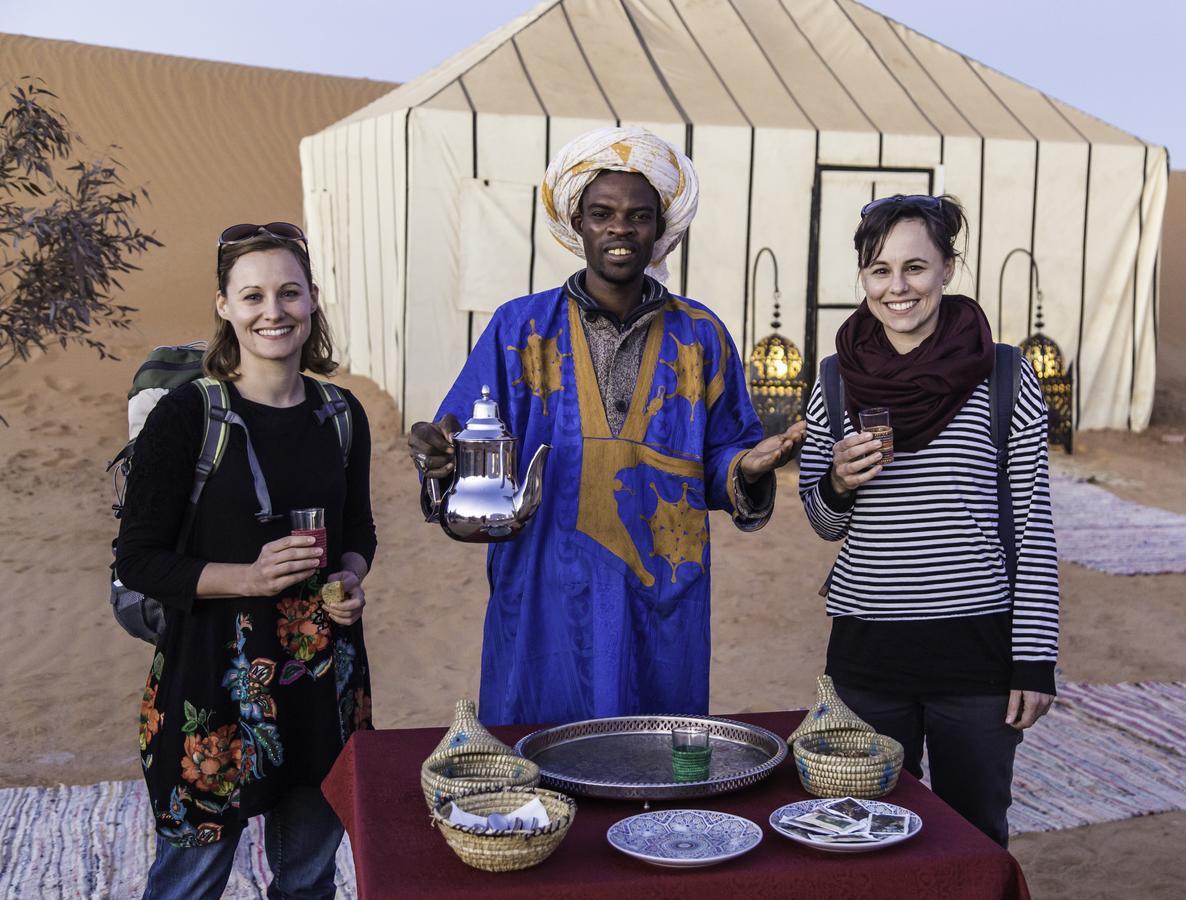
(833, 290)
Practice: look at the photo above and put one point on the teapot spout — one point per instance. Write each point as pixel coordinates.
(531, 492)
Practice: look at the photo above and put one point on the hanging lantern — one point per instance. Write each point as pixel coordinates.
(1056, 379)
(775, 366)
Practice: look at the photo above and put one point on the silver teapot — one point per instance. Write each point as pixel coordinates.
(482, 503)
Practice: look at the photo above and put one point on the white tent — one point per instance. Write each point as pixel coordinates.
(423, 210)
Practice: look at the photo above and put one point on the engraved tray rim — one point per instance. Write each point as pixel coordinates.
(724, 729)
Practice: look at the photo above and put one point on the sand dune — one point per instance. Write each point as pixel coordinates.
(217, 144)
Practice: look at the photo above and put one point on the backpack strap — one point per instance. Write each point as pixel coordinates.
(334, 405)
(219, 418)
(1004, 382)
(833, 388)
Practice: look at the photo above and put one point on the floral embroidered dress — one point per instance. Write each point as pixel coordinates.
(246, 696)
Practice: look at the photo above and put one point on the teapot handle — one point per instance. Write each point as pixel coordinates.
(431, 494)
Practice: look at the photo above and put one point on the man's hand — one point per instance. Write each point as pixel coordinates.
(855, 460)
(772, 453)
(430, 444)
(1026, 707)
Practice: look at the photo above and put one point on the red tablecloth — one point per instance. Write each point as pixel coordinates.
(375, 789)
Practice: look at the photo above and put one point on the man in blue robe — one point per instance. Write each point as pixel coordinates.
(600, 606)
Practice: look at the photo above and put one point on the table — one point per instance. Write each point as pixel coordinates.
(375, 789)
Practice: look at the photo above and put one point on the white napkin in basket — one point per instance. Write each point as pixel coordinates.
(527, 817)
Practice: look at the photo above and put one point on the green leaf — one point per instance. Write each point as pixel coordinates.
(158, 665)
(190, 727)
(191, 714)
(269, 742)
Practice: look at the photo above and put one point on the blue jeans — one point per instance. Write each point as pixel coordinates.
(301, 838)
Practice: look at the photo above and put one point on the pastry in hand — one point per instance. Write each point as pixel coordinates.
(332, 592)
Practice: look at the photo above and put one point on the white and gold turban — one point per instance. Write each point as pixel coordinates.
(622, 150)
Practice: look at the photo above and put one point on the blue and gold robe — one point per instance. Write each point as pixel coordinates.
(600, 606)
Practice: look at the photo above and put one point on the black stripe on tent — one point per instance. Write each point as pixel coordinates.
(531, 262)
(655, 66)
(894, 27)
(686, 243)
(382, 281)
(812, 318)
(403, 388)
(1083, 286)
(749, 224)
(980, 222)
(588, 65)
(774, 69)
(1029, 311)
(1136, 271)
(366, 291)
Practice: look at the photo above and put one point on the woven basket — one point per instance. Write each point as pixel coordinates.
(452, 773)
(467, 734)
(838, 754)
(511, 850)
(847, 763)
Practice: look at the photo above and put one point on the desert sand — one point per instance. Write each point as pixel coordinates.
(70, 679)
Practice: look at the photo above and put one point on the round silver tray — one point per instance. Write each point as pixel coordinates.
(630, 757)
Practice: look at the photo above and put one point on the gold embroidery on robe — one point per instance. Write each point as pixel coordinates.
(541, 361)
(689, 373)
(679, 531)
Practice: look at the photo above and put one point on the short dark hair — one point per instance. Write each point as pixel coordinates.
(221, 359)
(943, 221)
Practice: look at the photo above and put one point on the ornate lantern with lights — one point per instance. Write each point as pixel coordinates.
(775, 366)
(1056, 378)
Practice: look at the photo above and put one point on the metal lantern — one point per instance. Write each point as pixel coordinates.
(775, 366)
(1056, 378)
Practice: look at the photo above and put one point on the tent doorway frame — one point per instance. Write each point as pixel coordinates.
(811, 325)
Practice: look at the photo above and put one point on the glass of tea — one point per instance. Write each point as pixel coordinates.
(876, 421)
(311, 522)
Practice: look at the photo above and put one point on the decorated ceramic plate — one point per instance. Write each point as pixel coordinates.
(899, 821)
(684, 838)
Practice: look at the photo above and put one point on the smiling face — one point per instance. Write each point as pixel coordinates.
(618, 221)
(269, 304)
(904, 284)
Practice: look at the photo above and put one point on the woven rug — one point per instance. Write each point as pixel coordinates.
(96, 841)
(1095, 528)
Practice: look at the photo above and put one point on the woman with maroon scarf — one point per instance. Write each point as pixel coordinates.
(929, 643)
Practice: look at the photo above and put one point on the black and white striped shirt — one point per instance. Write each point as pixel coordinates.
(920, 538)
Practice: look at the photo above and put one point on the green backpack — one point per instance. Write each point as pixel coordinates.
(166, 369)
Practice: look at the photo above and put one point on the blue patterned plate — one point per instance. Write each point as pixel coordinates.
(800, 836)
(684, 838)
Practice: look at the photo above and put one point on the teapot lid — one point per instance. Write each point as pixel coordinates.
(485, 425)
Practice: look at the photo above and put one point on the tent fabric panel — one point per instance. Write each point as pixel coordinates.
(847, 148)
(822, 98)
(784, 171)
(495, 243)
(954, 74)
(1030, 106)
(437, 333)
(318, 209)
(619, 63)
(1093, 129)
(372, 243)
(1058, 248)
(362, 359)
(696, 87)
(888, 45)
(912, 150)
(499, 85)
(389, 145)
(556, 68)
(960, 177)
(1153, 203)
(1104, 361)
(854, 63)
(511, 148)
(716, 248)
(451, 98)
(1006, 222)
(733, 52)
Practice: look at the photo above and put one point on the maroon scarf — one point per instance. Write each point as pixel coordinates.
(925, 388)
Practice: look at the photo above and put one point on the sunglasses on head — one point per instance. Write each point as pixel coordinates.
(921, 201)
(285, 231)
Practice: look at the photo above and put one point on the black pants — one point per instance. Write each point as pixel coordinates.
(970, 749)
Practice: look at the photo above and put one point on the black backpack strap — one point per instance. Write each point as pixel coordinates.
(833, 389)
(334, 405)
(1003, 385)
(219, 418)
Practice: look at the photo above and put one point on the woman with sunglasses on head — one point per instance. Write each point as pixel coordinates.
(929, 642)
(256, 683)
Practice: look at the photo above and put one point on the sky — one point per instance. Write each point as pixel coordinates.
(1120, 60)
